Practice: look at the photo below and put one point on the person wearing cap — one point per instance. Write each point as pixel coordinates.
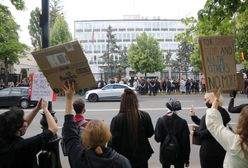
(212, 154)
(172, 121)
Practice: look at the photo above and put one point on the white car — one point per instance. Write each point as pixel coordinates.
(108, 92)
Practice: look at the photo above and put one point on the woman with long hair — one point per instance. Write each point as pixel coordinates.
(235, 144)
(131, 129)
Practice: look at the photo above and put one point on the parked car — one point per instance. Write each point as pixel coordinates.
(108, 92)
(16, 96)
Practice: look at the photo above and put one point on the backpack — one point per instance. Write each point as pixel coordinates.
(170, 150)
(79, 130)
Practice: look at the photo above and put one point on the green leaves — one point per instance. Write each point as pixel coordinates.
(19, 4)
(60, 32)
(34, 29)
(10, 47)
(146, 56)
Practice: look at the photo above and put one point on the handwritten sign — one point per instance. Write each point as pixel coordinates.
(40, 88)
(218, 60)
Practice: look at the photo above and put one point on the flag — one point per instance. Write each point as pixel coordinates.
(93, 37)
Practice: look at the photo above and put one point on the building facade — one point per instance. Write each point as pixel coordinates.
(92, 36)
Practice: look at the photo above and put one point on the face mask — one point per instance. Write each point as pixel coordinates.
(209, 105)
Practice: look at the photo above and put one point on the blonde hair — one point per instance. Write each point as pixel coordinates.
(211, 96)
(242, 130)
(96, 135)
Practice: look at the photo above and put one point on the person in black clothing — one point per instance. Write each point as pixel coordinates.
(172, 121)
(236, 109)
(212, 153)
(91, 150)
(130, 130)
(16, 151)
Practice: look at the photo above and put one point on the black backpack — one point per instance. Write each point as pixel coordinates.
(169, 150)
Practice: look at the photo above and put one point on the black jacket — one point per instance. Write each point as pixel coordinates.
(236, 109)
(180, 126)
(20, 152)
(211, 152)
(81, 158)
(121, 142)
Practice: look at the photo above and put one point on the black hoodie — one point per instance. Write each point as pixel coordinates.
(79, 157)
(19, 152)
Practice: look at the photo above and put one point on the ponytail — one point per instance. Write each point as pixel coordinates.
(99, 150)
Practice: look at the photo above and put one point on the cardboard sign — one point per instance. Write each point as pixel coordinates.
(218, 60)
(40, 88)
(241, 82)
(65, 62)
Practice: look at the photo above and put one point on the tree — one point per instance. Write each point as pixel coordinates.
(123, 61)
(111, 56)
(55, 10)
(35, 29)
(145, 56)
(60, 32)
(183, 56)
(10, 47)
(242, 37)
(202, 27)
(19, 4)
(227, 18)
(168, 58)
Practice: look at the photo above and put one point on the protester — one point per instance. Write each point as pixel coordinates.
(91, 149)
(179, 127)
(79, 108)
(211, 152)
(231, 107)
(235, 144)
(131, 129)
(16, 151)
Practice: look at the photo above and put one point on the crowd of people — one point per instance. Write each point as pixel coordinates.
(154, 86)
(125, 143)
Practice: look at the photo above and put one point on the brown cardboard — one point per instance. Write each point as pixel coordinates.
(241, 82)
(218, 61)
(65, 62)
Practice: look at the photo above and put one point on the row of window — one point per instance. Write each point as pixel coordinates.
(100, 48)
(88, 37)
(131, 29)
(101, 25)
(124, 40)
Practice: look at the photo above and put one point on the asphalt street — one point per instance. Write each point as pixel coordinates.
(154, 105)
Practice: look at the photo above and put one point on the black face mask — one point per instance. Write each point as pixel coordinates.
(209, 105)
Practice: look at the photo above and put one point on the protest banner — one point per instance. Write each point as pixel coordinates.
(218, 61)
(40, 88)
(65, 62)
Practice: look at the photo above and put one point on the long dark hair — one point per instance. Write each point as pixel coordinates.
(242, 129)
(10, 122)
(129, 105)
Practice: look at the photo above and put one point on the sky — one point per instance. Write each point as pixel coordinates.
(108, 9)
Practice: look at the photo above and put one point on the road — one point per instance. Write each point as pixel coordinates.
(154, 105)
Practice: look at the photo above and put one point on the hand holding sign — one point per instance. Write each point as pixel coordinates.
(216, 102)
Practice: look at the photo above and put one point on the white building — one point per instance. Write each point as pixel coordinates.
(92, 35)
